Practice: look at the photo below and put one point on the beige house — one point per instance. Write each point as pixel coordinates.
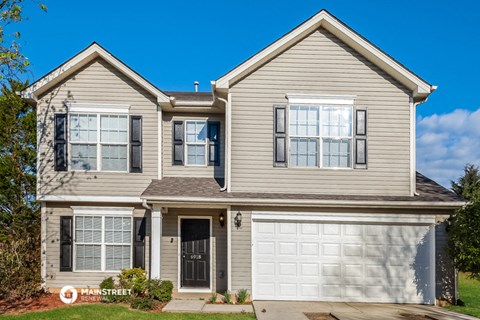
(293, 178)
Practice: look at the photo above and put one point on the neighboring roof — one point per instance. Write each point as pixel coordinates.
(186, 189)
(420, 88)
(79, 60)
(190, 96)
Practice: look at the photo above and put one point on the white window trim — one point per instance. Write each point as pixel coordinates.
(98, 142)
(320, 99)
(81, 211)
(320, 137)
(75, 107)
(185, 155)
(179, 269)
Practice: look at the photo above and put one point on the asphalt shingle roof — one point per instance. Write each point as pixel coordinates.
(187, 187)
(190, 96)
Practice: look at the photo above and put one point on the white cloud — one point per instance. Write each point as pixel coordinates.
(446, 142)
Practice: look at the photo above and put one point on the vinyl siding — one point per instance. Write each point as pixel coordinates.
(242, 251)
(57, 279)
(170, 242)
(445, 272)
(170, 170)
(320, 64)
(96, 82)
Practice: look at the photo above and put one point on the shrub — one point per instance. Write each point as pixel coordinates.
(242, 296)
(213, 298)
(108, 283)
(142, 303)
(20, 267)
(160, 290)
(134, 279)
(227, 298)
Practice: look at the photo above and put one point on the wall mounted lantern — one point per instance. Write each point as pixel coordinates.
(221, 219)
(238, 220)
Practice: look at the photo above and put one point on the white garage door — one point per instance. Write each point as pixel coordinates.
(342, 262)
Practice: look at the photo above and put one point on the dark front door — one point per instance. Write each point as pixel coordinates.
(195, 253)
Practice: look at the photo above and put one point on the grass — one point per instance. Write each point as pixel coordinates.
(469, 290)
(116, 312)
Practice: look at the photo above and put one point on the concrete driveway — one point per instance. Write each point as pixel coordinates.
(289, 310)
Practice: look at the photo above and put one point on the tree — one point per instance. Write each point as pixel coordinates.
(12, 61)
(464, 232)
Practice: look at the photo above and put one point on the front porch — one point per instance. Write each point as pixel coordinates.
(189, 248)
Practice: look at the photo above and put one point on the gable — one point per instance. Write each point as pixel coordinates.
(420, 88)
(84, 57)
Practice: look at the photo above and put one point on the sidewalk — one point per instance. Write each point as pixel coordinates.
(200, 306)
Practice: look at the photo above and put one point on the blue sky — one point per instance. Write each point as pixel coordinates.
(173, 43)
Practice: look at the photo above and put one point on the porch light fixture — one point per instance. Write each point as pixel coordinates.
(221, 219)
(238, 220)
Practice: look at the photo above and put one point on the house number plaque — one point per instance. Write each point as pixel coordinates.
(196, 256)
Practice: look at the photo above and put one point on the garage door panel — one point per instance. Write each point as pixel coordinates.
(341, 262)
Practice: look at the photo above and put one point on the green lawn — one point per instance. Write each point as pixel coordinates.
(469, 290)
(116, 312)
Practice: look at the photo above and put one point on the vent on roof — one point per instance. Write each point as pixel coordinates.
(196, 85)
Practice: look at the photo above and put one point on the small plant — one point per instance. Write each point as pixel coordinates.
(134, 279)
(142, 303)
(227, 298)
(160, 290)
(242, 296)
(213, 298)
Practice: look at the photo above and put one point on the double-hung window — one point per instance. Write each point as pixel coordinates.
(103, 243)
(320, 136)
(99, 142)
(196, 143)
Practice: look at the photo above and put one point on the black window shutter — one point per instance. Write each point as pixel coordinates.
(361, 142)
(66, 230)
(280, 136)
(60, 146)
(177, 148)
(213, 143)
(136, 144)
(139, 233)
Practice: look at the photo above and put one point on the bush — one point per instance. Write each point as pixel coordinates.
(160, 290)
(109, 283)
(20, 268)
(227, 298)
(134, 279)
(142, 303)
(242, 296)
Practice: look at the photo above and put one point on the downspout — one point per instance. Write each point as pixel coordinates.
(145, 205)
(227, 136)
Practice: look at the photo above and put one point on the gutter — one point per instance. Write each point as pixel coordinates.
(450, 205)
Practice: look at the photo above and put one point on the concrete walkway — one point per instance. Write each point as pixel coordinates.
(199, 306)
(278, 310)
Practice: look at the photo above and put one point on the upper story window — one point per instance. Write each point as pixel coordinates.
(196, 143)
(99, 142)
(320, 136)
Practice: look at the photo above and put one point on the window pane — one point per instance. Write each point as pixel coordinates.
(84, 156)
(114, 158)
(196, 154)
(118, 230)
(336, 153)
(113, 128)
(117, 257)
(337, 121)
(88, 257)
(304, 152)
(304, 121)
(196, 131)
(83, 127)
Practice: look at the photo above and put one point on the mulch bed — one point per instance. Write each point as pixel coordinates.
(319, 316)
(46, 301)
